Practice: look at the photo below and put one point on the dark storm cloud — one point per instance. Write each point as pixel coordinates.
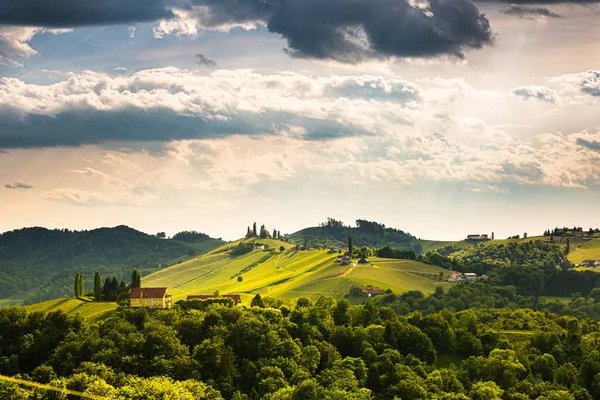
(589, 144)
(352, 30)
(18, 185)
(94, 127)
(345, 30)
(203, 60)
(75, 13)
(529, 11)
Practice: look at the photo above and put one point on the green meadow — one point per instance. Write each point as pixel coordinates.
(288, 274)
(89, 310)
(587, 251)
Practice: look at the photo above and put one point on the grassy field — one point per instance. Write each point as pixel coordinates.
(587, 251)
(89, 310)
(287, 274)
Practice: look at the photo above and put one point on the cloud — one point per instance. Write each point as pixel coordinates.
(170, 104)
(344, 30)
(540, 93)
(76, 197)
(14, 47)
(529, 11)
(203, 60)
(592, 145)
(18, 185)
(75, 13)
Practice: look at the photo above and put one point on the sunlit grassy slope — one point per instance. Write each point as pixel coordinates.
(289, 274)
(88, 310)
(587, 251)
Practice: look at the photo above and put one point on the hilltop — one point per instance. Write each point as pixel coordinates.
(285, 273)
(39, 263)
(365, 233)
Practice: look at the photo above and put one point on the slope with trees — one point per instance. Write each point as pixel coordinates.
(39, 263)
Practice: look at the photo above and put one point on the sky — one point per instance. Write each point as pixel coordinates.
(441, 118)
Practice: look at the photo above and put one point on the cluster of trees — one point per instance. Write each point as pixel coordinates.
(263, 233)
(390, 252)
(242, 248)
(365, 233)
(574, 231)
(190, 236)
(326, 350)
(111, 290)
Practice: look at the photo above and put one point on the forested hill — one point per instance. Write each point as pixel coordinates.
(365, 233)
(40, 263)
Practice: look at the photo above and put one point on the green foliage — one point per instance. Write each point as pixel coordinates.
(136, 279)
(311, 350)
(365, 233)
(190, 236)
(97, 286)
(242, 248)
(41, 263)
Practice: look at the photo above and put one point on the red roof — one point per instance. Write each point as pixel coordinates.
(235, 297)
(148, 293)
(372, 290)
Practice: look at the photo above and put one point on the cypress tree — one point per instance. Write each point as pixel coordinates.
(78, 286)
(97, 286)
(136, 279)
(274, 233)
(254, 230)
(350, 246)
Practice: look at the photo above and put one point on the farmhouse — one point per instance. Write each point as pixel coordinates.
(334, 249)
(590, 263)
(259, 246)
(372, 290)
(466, 277)
(235, 297)
(345, 260)
(456, 278)
(150, 298)
(478, 237)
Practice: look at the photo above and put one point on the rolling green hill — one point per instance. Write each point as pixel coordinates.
(88, 310)
(587, 251)
(39, 264)
(365, 233)
(289, 274)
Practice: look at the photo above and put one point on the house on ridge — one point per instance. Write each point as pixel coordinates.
(150, 298)
(590, 263)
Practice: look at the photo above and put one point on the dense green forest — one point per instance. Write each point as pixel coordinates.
(365, 233)
(397, 347)
(40, 263)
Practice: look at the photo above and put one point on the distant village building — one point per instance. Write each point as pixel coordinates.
(470, 276)
(465, 277)
(456, 278)
(150, 298)
(590, 263)
(334, 249)
(259, 246)
(235, 297)
(478, 237)
(344, 260)
(372, 290)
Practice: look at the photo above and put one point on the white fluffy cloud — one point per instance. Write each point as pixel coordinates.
(14, 46)
(576, 89)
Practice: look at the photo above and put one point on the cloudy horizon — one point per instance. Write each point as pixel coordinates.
(441, 118)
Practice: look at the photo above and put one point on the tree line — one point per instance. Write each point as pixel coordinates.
(326, 349)
(110, 290)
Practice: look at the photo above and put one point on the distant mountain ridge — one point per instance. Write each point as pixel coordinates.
(365, 233)
(44, 261)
